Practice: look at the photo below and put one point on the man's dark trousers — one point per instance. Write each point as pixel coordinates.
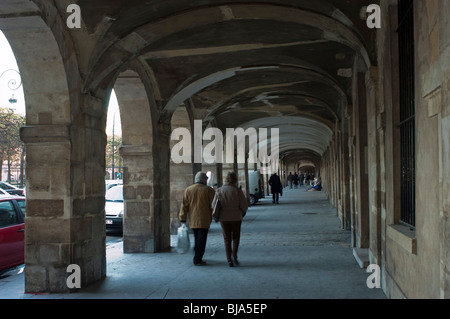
(200, 236)
(275, 197)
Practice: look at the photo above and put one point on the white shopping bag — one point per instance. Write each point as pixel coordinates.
(183, 242)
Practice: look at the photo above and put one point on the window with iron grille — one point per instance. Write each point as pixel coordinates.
(407, 111)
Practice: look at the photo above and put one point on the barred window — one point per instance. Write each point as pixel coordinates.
(407, 111)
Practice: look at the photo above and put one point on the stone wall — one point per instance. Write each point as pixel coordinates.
(415, 263)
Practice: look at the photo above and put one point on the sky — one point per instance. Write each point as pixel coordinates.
(8, 62)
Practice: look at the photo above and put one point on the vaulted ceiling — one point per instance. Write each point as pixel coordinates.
(285, 64)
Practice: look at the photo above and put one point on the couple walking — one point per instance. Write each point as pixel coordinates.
(198, 202)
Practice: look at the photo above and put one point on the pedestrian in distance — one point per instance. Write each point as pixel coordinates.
(276, 187)
(296, 180)
(290, 179)
(196, 207)
(301, 178)
(233, 207)
(307, 179)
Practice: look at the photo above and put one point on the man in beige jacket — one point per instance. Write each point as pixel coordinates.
(196, 206)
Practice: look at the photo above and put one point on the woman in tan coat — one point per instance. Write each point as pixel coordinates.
(233, 207)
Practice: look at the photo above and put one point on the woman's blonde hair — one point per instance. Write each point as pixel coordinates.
(231, 178)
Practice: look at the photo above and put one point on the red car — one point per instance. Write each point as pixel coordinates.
(12, 231)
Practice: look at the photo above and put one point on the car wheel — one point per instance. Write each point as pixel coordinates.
(252, 200)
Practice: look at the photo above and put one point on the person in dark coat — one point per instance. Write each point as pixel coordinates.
(276, 187)
(295, 180)
(290, 179)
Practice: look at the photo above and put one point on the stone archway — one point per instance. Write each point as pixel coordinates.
(65, 164)
(142, 230)
(178, 60)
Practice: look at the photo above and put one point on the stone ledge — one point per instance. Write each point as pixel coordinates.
(44, 133)
(362, 256)
(403, 236)
(135, 150)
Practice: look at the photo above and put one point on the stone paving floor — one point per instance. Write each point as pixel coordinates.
(293, 250)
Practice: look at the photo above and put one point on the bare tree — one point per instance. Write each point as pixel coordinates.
(12, 149)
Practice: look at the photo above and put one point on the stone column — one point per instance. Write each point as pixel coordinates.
(138, 222)
(48, 240)
(345, 175)
(161, 182)
(147, 206)
(374, 168)
(65, 203)
(444, 166)
(146, 156)
(181, 175)
(219, 174)
(361, 166)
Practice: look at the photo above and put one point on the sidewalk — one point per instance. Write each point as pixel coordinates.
(288, 251)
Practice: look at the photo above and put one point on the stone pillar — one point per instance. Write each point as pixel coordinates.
(48, 240)
(146, 156)
(219, 174)
(444, 165)
(247, 188)
(374, 168)
(138, 221)
(361, 166)
(137, 154)
(181, 175)
(65, 204)
(88, 143)
(161, 177)
(147, 207)
(180, 178)
(65, 141)
(241, 178)
(283, 177)
(345, 175)
(333, 172)
(267, 177)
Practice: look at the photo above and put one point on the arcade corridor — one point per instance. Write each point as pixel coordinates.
(317, 84)
(288, 251)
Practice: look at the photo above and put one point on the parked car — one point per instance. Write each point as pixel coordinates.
(256, 191)
(12, 231)
(114, 208)
(112, 182)
(13, 190)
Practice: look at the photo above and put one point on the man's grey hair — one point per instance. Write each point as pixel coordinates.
(200, 176)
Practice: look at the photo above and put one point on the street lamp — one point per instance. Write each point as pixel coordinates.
(12, 100)
(12, 84)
